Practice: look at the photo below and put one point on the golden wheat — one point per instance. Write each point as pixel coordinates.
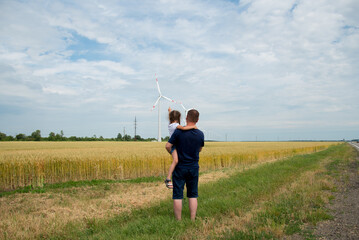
(35, 163)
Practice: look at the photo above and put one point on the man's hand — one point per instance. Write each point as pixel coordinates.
(169, 109)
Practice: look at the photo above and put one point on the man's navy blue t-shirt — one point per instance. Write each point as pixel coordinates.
(188, 144)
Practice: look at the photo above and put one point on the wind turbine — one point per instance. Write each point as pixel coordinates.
(158, 101)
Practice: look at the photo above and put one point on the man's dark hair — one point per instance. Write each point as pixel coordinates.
(193, 115)
(175, 116)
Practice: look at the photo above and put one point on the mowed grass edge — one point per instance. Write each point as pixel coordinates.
(70, 184)
(300, 205)
(235, 195)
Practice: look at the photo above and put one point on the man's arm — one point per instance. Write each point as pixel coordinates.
(169, 147)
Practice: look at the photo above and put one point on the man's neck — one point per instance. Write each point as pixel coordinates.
(191, 123)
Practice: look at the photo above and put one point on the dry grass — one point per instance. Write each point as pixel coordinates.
(25, 216)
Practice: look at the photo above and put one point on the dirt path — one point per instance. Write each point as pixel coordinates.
(344, 208)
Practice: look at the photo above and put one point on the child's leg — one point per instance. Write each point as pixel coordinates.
(173, 165)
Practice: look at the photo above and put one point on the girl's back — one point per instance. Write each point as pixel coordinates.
(172, 127)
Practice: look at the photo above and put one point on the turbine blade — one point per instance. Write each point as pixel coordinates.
(169, 99)
(154, 105)
(183, 107)
(158, 86)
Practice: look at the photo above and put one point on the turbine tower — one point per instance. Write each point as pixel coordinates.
(158, 102)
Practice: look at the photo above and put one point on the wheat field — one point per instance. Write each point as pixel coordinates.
(38, 163)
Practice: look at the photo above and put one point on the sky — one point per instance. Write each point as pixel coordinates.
(261, 70)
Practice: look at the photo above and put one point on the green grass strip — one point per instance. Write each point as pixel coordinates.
(97, 182)
(217, 199)
(87, 183)
(302, 205)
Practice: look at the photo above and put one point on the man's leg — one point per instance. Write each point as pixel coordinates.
(193, 207)
(177, 208)
(192, 192)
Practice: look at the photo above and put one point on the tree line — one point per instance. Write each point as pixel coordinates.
(36, 136)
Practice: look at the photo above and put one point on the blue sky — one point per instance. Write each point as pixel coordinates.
(255, 70)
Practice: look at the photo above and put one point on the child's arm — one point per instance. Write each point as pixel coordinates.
(186, 127)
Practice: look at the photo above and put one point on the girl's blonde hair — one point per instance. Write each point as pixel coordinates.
(175, 116)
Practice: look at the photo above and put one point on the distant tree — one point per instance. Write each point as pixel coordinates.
(138, 138)
(21, 137)
(73, 138)
(2, 136)
(58, 137)
(126, 137)
(151, 139)
(36, 136)
(52, 136)
(9, 138)
(166, 139)
(63, 138)
(119, 137)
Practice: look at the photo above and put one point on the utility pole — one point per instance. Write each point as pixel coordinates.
(135, 128)
(124, 131)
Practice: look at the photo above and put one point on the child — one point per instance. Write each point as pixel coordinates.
(175, 121)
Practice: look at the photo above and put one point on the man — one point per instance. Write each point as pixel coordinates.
(188, 145)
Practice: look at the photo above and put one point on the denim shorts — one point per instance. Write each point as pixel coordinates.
(180, 177)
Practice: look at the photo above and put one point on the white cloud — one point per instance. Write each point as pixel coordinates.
(268, 63)
(61, 90)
